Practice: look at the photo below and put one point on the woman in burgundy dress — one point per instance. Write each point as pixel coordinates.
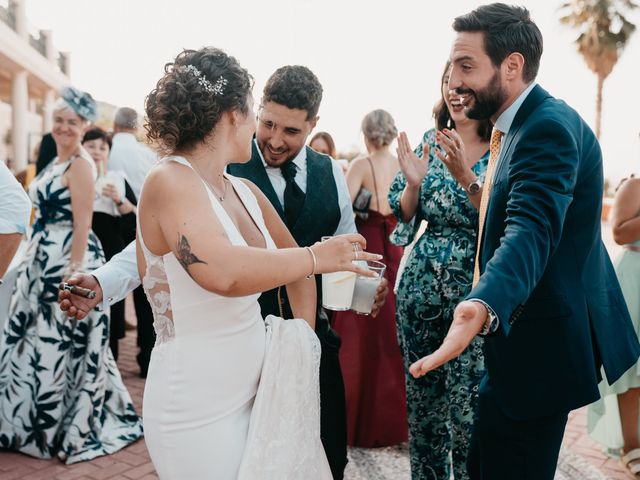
(370, 357)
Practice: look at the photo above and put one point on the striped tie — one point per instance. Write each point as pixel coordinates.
(494, 151)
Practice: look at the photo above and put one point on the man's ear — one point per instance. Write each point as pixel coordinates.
(514, 65)
(314, 121)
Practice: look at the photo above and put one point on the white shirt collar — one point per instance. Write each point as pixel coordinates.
(504, 121)
(299, 160)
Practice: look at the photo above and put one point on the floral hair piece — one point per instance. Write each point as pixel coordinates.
(216, 88)
(80, 102)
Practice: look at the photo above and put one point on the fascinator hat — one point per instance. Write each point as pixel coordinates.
(80, 102)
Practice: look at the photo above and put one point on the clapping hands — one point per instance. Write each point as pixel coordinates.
(454, 156)
(413, 167)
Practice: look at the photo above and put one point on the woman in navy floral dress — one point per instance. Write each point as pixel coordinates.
(60, 391)
(440, 183)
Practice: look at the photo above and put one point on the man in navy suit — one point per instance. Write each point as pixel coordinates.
(547, 298)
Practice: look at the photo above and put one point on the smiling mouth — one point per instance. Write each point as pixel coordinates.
(275, 153)
(459, 102)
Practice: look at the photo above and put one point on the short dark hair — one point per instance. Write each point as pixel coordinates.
(184, 108)
(443, 116)
(507, 29)
(96, 133)
(294, 86)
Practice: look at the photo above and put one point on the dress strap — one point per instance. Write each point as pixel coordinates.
(375, 184)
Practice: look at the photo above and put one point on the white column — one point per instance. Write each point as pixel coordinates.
(50, 51)
(47, 111)
(19, 129)
(66, 69)
(21, 18)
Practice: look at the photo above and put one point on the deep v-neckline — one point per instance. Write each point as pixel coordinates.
(244, 205)
(219, 208)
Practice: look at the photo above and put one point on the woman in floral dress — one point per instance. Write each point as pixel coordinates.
(440, 183)
(60, 391)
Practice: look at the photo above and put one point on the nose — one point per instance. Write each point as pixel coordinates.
(454, 80)
(276, 140)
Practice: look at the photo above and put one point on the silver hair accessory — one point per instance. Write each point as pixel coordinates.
(216, 88)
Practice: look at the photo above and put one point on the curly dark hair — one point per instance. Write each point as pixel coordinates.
(181, 111)
(294, 86)
(443, 117)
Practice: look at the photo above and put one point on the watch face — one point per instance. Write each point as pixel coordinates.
(474, 188)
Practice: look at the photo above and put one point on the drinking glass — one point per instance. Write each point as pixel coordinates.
(337, 289)
(364, 291)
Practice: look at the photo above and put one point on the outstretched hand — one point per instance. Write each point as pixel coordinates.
(468, 320)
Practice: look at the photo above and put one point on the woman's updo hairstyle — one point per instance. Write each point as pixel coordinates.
(379, 128)
(189, 100)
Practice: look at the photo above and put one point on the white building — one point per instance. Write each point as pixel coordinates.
(31, 75)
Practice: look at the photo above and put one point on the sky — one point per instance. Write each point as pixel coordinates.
(367, 54)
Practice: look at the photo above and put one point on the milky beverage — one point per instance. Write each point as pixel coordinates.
(337, 290)
(365, 288)
(364, 294)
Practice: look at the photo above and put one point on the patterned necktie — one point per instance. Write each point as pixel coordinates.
(494, 151)
(293, 194)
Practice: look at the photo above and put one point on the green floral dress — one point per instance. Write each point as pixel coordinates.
(437, 275)
(61, 394)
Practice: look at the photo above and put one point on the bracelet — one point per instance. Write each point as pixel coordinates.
(313, 257)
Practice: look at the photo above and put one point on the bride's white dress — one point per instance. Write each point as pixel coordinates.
(228, 395)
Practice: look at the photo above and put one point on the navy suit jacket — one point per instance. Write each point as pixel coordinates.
(546, 272)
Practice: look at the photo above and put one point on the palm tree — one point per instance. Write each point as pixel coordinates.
(604, 32)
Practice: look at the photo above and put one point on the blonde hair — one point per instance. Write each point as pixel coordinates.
(379, 128)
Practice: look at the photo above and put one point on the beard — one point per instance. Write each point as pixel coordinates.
(487, 101)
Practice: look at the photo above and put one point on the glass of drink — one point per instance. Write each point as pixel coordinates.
(337, 289)
(364, 292)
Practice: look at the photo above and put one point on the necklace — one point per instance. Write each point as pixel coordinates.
(213, 190)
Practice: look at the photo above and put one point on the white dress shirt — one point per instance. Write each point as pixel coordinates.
(347, 220)
(15, 206)
(131, 157)
(120, 276)
(505, 120)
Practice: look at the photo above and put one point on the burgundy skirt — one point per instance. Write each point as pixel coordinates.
(370, 357)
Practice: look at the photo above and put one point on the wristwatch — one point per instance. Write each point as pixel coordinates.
(491, 325)
(474, 187)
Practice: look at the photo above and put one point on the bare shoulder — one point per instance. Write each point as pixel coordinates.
(81, 170)
(359, 162)
(172, 182)
(629, 188)
(252, 186)
(82, 163)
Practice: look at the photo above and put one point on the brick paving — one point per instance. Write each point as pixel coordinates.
(133, 462)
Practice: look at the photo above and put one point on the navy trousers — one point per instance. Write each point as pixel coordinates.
(507, 449)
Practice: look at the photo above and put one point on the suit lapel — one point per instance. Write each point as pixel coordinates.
(533, 100)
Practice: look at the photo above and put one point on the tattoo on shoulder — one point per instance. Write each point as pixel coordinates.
(184, 254)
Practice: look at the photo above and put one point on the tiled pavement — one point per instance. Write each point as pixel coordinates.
(133, 462)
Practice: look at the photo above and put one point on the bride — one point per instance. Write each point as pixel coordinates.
(224, 398)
